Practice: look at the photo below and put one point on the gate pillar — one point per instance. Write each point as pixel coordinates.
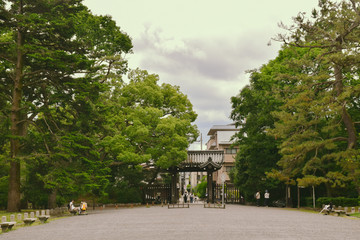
(210, 197)
(173, 187)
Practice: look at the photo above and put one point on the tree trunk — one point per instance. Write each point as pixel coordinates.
(17, 128)
(14, 187)
(349, 124)
(288, 196)
(52, 199)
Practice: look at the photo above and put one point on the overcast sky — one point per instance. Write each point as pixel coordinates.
(202, 46)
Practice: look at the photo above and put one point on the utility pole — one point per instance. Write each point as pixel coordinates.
(201, 147)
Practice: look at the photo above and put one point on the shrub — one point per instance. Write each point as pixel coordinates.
(338, 201)
(3, 192)
(201, 189)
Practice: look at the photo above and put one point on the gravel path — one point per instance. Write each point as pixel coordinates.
(196, 222)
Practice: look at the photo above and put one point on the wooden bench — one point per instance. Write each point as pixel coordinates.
(214, 205)
(178, 205)
(74, 212)
(7, 225)
(29, 221)
(339, 212)
(43, 218)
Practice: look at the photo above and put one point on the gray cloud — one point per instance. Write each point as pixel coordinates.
(209, 71)
(202, 46)
(216, 58)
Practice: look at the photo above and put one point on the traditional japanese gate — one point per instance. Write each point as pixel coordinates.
(207, 161)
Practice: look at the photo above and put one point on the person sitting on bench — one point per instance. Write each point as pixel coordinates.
(73, 208)
(330, 206)
(83, 206)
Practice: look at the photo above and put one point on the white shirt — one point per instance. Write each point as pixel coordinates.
(71, 206)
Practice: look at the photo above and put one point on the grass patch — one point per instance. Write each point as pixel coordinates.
(355, 215)
(308, 210)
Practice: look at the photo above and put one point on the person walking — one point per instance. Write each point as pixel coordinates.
(266, 197)
(185, 197)
(258, 196)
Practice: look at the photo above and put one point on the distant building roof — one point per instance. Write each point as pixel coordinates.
(229, 127)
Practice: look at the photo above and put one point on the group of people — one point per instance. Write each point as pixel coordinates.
(266, 198)
(189, 197)
(80, 209)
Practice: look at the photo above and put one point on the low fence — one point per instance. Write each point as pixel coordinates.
(232, 194)
(157, 193)
(161, 193)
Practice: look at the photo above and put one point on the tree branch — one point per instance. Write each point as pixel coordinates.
(46, 145)
(7, 59)
(312, 46)
(353, 3)
(116, 163)
(338, 139)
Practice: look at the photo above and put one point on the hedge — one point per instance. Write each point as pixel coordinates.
(338, 201)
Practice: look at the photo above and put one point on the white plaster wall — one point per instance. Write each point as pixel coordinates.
(224, 136)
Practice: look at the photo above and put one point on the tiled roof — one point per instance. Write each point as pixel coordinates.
(215, 128)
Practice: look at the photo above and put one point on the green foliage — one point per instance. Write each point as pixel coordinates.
(77, 128)
(4, 171)
(151, 126)
(3, 191)
(252, 112)
(125, 194)
(67, 55)
(338, 201)
(316, 122)
(310, 180)
(200, 189)
(299, 114)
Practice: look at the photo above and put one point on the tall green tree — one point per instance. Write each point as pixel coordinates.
(53, 58)
(152, 127)
(252, 112)
(257, 151)
(318, 121)
(34, 41)
(81, 121)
